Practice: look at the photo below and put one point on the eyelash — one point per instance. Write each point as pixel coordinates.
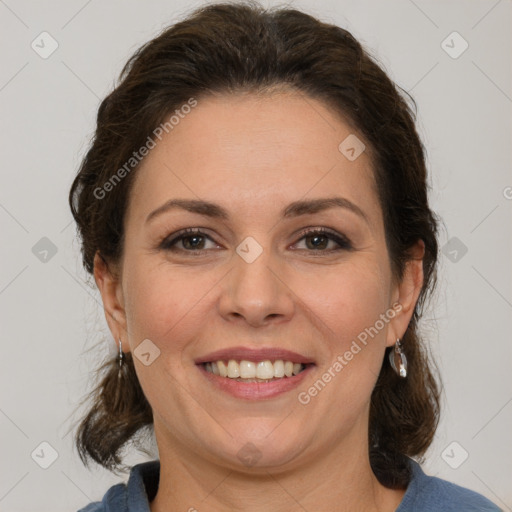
(169, 243)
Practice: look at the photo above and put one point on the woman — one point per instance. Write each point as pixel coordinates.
(254, 211)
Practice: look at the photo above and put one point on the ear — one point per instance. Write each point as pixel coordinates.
(405, 293)
(109, 285)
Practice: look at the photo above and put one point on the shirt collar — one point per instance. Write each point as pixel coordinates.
(142, 486)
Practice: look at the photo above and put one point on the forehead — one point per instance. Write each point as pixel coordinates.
(255, 152)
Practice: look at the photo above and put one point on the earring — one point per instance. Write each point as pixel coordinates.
(402, 367)
(120, 357)
(122, 369)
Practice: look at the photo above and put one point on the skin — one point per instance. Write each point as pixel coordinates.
(254, 155)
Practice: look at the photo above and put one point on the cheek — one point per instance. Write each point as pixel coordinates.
(348, 299)
(349, 302)
(164, 304)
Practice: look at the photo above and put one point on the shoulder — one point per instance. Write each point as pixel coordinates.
(113, 501)
(431, 494)
(134, 495)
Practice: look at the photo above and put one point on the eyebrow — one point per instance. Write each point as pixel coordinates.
(295, 209)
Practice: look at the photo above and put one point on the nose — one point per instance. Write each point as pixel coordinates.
(255, 293)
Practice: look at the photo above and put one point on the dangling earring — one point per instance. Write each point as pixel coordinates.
(402, 366)
(121, 368)
(120, 358)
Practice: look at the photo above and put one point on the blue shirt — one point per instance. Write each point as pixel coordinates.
(424, 494)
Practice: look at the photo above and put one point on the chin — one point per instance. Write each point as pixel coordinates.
(261, 451)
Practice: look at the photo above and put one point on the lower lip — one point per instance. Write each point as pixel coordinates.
(256, 390)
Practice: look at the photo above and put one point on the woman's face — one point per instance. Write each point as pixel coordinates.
(258, 277)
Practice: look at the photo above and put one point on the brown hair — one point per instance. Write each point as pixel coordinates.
(224, 48)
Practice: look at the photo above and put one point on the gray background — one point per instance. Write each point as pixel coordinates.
(50, 316)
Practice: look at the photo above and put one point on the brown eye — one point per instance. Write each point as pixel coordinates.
(188, 240)
(316, 242)
(321, 240)
(193, 242)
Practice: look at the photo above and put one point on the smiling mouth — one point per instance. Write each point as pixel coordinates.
(255, 371)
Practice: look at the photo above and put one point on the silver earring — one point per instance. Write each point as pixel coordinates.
(122, 370)
(120, 357)
(402, 365)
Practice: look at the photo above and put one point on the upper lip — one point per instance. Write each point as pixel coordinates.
(254, 354)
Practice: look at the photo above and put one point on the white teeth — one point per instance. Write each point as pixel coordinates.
(265, 370)
(279, 368)
(233, 369)
(223, 369)
(254, 372)
(247, 369)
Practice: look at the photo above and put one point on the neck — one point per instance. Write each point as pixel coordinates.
(340, 479)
